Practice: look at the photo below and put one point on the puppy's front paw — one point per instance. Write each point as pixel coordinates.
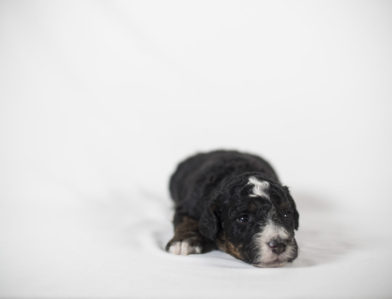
(184, 247)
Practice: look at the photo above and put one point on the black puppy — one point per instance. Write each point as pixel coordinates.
(233, 201)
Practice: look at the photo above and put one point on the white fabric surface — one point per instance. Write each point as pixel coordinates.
(100, 100)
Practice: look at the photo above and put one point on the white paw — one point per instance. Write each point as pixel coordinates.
(183, 248)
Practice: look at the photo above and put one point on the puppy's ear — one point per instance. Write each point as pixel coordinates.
(296, 215)
(208, 223)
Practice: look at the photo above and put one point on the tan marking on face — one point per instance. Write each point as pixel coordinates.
(234, 251)
(229, 248)
(284, 205)
(252, 207)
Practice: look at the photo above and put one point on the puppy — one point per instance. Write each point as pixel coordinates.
(234, 202)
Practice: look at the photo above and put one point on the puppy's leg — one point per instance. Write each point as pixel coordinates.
(187, 239)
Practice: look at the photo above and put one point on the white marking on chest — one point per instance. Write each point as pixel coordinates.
(259, 187)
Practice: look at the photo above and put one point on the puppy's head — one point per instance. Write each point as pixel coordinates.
(254, 220)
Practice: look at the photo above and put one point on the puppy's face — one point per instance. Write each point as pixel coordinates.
(253, 220)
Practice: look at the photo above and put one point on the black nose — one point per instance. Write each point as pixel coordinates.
(277, 246)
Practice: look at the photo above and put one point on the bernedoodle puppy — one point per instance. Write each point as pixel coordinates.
(234, 202)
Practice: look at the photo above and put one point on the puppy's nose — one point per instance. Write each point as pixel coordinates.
(277, 246)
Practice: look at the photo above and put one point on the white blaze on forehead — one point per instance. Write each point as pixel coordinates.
(259, 187)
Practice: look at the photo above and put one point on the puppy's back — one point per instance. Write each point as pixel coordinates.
(198, 175)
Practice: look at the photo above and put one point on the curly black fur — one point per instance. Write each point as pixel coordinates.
(215, 208)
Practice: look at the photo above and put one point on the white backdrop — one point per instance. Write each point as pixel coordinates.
(100, 100)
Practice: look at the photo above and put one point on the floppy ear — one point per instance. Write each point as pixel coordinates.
(296, 215)
(208, 223)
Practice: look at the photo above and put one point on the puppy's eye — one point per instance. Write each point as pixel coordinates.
(243, 219)
(286, 214)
